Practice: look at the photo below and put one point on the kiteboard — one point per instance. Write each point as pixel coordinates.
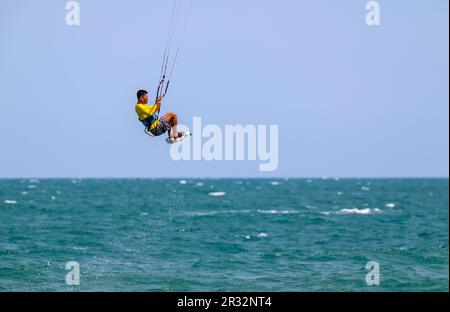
(177, 140)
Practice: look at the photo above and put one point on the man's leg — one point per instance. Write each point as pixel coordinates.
(172, 120)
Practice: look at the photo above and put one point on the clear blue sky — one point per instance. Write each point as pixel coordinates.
(350, 100)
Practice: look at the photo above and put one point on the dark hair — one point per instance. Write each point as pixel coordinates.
(141, 93)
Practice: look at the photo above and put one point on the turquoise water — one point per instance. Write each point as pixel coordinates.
(224, 235)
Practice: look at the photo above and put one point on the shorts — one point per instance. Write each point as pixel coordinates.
(161, 128)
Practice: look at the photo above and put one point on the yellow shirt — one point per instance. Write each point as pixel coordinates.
(145, 111)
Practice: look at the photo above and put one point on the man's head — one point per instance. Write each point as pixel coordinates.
(142, 96)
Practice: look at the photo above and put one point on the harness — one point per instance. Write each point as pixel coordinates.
(148, 122)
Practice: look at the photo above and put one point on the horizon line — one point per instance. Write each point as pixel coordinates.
(227, 178)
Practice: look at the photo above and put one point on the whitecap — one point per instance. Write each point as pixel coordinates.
(277, 211)
(199, 184)
(390, 205)
(183, 182)
(32, 186)
(364, 211)
(200, 214)
(79, 248)
(237, 211)
(53, 198)
(339, 193)
(24, 193)
(354, 211)
(217, 194)
(365, 188)
(262, 235)
(143, 214)
(10, 202)
(213, 212)
(247, 236)
(275, 183)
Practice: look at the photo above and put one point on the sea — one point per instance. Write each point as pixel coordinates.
(170, 235)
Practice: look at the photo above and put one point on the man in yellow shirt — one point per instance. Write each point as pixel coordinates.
(149, 116)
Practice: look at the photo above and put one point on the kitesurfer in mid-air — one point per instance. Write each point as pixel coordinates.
(155, 126)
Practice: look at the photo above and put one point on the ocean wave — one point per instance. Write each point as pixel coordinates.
(199, 214)
(260, 235)
(214, 212)
(363, 211)
(347, 211)
(245, 211)
(277, 211)
(217, 194)
(79, 248)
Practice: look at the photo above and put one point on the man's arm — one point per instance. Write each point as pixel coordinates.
(158, 103)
